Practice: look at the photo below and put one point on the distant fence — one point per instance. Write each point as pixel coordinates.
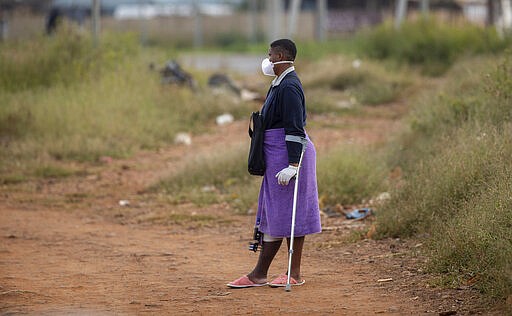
(177, 29)
(352, 20)
(214, 29)
(180, 30)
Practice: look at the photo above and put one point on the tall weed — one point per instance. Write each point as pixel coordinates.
(370, 87)
(457, 189)
(338, 84)
(437, 187)
(429, 43)
(65, 58)
(113, 112)
(468, 96)
(476, 249)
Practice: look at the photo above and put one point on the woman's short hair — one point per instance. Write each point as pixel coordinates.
(285, 46)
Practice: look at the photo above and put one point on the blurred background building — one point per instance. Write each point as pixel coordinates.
(199, 22)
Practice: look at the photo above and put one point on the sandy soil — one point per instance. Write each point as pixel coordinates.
(67, 247)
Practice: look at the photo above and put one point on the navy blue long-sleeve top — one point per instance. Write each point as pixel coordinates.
(285, 107)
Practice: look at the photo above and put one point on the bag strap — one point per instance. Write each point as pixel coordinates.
(251, 124)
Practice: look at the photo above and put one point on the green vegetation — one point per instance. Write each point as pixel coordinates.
(341, 85)
(457, 186)
(437, 114)
(429, 43)
(477, 246)
(193, 220)
(219, 176)
(52, 172)
(349, 175)
(100, 102)
(64, 59)
(368, 88)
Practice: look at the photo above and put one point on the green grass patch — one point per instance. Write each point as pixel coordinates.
(348, 175)
(10, 179)
(65, 58)
(429, 43)
(456, 184)
(52, 172)
(476, 91)
(476, 249)
(367, 87)
(115, 111)
(76, 197)
(186, 219)
(217, 177)
(339, 84)
(356, 235)
(345, 176)
(435, 190)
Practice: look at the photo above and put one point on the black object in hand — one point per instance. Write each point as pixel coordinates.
(255, 243)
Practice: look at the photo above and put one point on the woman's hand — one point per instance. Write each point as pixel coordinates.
(284, 176)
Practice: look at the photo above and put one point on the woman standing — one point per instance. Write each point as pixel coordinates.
(284, 117)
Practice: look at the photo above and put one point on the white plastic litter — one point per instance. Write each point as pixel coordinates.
(247, 95)
(225, 119)
(183, 138)
(124, 202)
(384, 196)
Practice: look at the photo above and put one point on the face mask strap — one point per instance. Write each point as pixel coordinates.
(283, 62)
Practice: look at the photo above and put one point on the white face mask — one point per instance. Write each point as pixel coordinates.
(268, 67)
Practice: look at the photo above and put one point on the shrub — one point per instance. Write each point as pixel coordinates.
(368, 87)
(457, 189)
(475, 92)
(429, 43)
(436, 189)
(446, 154)
(337, 81)
(477, 248)
(462, 199)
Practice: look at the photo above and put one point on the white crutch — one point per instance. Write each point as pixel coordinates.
(294, 209)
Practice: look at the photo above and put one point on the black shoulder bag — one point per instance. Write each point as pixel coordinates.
(256, 161)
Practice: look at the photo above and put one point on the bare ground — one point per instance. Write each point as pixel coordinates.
(67, 247)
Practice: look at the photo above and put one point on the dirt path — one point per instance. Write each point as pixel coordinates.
(68, 248)
(59, 263)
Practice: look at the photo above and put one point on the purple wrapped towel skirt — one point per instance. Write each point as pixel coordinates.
(275, 202)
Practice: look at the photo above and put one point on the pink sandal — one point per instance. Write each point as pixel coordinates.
(281, 280)
(244, 282)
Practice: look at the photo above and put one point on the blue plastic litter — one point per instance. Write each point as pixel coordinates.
(359, 213)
